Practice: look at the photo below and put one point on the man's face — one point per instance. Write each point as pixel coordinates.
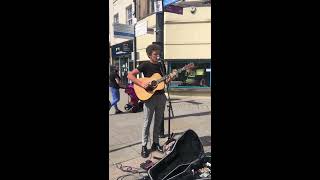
(154, 56)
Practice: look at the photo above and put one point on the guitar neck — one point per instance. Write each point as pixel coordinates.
(166, 76)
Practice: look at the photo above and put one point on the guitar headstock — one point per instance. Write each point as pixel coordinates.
(189, 66)
(186, 67)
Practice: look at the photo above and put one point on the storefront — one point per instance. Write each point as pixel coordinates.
(121, 56)
(197, 79)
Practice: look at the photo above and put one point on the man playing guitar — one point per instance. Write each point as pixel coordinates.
(156, 103)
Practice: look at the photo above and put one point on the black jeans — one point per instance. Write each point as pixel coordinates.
(162, 127)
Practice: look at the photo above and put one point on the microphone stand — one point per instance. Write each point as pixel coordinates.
(169, 106)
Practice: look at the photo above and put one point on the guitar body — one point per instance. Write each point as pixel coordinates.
(144, 94)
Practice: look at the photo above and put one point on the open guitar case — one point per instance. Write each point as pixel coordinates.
(187, 154)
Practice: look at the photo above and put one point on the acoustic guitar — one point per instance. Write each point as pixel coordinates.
(156, 83)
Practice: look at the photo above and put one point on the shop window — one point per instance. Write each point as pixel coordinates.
(198, 77)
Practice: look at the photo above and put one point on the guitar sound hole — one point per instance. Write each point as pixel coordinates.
(153, 84)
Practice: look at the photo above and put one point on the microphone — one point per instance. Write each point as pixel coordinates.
(160, 60)
(162, 65)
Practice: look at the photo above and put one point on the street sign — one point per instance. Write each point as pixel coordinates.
(168, 2)
(123, 31)
(124, 48)
(141, 28)
(174, 9)
(158, 6)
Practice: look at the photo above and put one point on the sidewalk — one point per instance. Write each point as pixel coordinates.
(125, 130)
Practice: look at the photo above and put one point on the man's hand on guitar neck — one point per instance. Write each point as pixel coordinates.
(171, 76)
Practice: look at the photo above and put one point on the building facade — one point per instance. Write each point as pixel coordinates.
(121, 14)
(187, 39)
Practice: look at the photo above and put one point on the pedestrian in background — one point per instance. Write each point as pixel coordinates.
(114, 85)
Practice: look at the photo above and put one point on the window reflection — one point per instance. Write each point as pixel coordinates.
(198, 77)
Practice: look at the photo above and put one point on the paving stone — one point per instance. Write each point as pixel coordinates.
(125, 130)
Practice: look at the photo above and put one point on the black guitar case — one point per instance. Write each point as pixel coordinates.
(187, 154)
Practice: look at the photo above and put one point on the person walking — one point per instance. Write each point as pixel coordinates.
(114, 85)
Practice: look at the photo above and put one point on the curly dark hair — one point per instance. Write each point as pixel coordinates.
(152, 47)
